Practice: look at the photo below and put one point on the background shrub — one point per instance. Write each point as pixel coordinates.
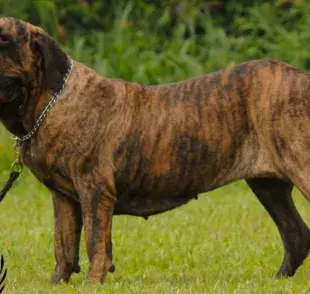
(159, 41)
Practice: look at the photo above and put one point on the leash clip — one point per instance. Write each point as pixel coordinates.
(17, 165)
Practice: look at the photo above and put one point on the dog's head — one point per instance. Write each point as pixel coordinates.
(31, 62)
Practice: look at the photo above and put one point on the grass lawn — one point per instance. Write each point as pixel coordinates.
(223, 243)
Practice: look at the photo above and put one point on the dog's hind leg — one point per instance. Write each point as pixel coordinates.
(275, 195)
(68, 225)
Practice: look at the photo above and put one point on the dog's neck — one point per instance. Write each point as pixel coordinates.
(41, 101)
(33, 109)
(30, 111)
(22, 119)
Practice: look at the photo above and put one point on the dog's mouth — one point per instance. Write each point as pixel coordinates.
(5, 96)
(10, 90)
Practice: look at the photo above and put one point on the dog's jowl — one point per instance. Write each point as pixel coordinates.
(105, 147)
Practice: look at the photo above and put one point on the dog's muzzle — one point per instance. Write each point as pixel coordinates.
(10, 89)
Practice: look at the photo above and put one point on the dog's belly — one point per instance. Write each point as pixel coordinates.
(159, 194)
(143, 205)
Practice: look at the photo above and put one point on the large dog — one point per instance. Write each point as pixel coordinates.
(106, 147)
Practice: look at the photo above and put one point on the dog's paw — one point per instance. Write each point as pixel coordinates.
(112, 268)
(57, 278)
(77, 269)
(285, 272)
(63, 275)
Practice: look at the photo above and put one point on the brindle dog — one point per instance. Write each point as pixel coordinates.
(110, 147)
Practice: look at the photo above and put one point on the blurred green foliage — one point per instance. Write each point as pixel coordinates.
(160, 41)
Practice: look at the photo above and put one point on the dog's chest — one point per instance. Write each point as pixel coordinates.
(48, 168)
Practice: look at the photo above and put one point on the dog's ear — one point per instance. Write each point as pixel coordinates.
(55, 61)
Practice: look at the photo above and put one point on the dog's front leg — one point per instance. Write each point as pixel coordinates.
(97, 202)
(68, 225)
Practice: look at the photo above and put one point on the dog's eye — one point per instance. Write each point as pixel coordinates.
(4, 39)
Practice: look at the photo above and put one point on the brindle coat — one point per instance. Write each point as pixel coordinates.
(111, 147)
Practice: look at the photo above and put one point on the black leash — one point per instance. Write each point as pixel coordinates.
(16, 169)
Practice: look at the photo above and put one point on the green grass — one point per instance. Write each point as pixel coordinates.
(223, 243)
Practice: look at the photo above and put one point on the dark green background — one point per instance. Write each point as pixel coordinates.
(161, 41)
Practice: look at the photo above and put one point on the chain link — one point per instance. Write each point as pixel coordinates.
(47, 109)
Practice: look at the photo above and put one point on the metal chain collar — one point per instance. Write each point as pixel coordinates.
(44, 113)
